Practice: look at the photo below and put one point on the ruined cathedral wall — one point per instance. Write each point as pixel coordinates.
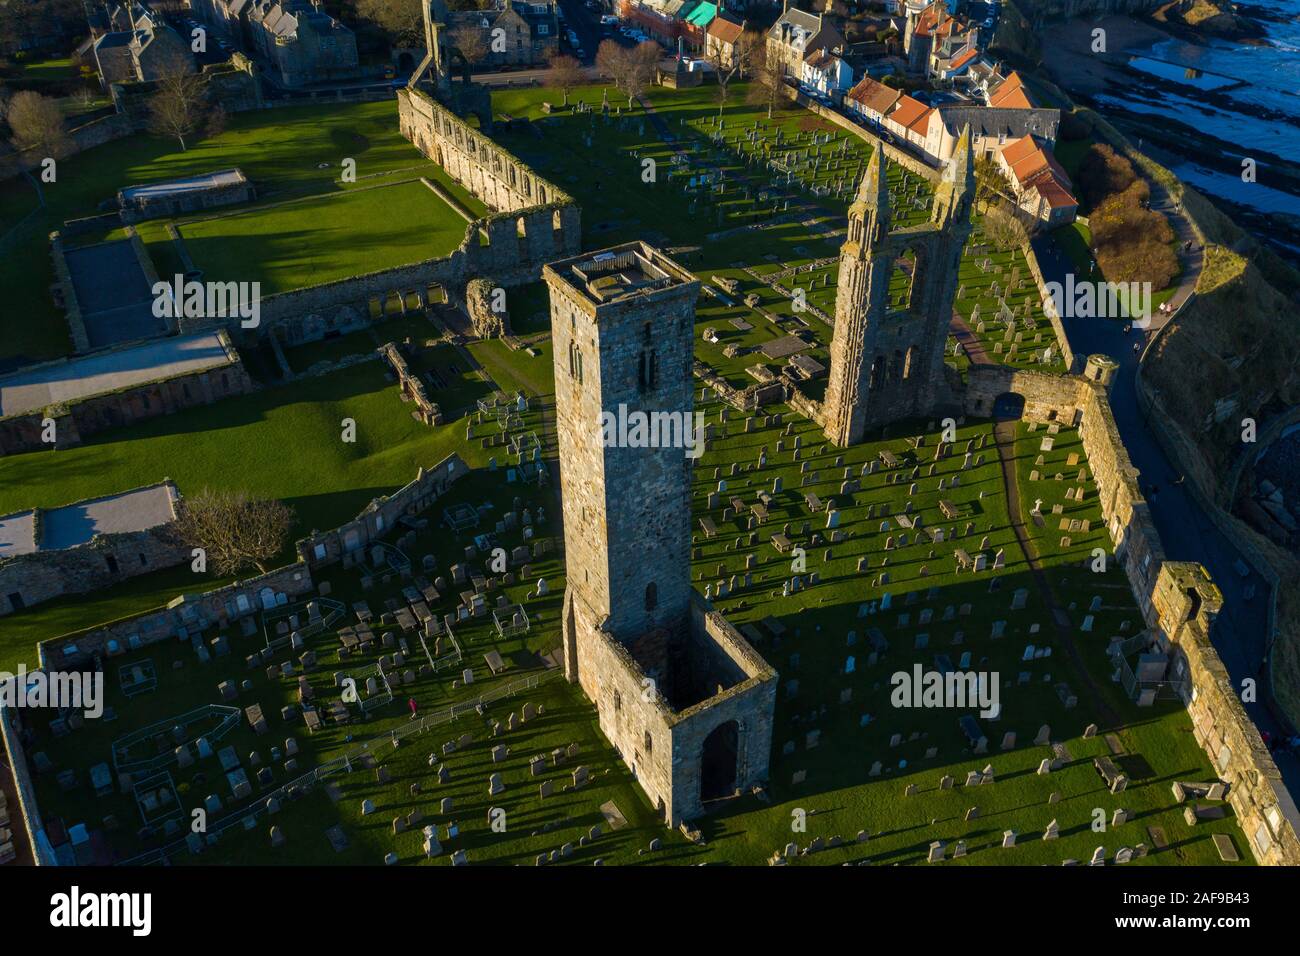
(489, 171)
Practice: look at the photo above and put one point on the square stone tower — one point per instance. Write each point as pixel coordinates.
(684, 698)
(621, 326)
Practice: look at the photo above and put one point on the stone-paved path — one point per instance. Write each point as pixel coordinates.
(969, 342)
(1004, 434)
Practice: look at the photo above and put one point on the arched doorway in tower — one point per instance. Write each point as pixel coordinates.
(718, 761)
(1009, 406)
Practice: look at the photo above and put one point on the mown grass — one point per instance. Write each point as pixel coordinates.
(279, 150)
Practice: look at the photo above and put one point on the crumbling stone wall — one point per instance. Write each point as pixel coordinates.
(518, 245)
(486, 322)
(173, 204)
(412, 389)
(501, 181)
(188, 613)
(348, 542)
(100, 563)
(1186, 601)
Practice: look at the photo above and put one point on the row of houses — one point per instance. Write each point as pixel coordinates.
(1006, 126)
(511, 32)
(296, 41)
(810, 51)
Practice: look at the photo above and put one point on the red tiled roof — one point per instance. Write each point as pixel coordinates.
(1011, 93)
(964, 58)
(874, 95)
(725, 30)
(927, 24)
(922, 123)
(1034, 166)
(907, 112)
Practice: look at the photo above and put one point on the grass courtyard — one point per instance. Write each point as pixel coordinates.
(321, 239)
(287, 153)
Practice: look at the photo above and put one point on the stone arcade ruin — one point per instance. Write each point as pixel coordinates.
(683, 697)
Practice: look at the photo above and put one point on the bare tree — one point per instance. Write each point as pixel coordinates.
(179, 106)
(470, 41)
(1003, 227)
(37, 134)
(732, 63)
(565, 73)
(402, 20)
(236, 530)
(643, 62)
(632, 70)
(990, 182)
(611, 59)
(768, 86)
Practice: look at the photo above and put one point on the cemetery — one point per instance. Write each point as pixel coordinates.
(760, 203)
(410, 705)
(495, 723)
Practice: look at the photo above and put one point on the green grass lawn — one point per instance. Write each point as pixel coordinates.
(303, 357)
(279, 150)
(283, 442)
(312, 241)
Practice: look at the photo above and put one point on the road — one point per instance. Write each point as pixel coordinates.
(1240, 632)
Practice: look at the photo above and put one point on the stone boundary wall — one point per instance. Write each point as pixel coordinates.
(1178, 601)
(42, 852)
(348, 542)
(305, 315)
(77, 420)
(1062, 340)
(213, 196)
(45, 574)
(220, 607)
(67, 293)
(427, 410)
(892, 153)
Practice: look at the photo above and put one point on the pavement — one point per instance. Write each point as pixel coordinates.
(94, 374)
(1240, 633)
